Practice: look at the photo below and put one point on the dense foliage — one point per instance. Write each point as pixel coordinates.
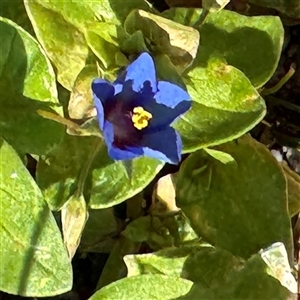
(218, 228)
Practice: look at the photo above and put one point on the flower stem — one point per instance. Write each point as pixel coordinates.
(86, 167)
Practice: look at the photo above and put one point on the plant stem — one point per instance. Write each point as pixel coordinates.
(201, 19)
(86, 167)
(279, 84)
(57, 118)
(72, 128)
(276, 101)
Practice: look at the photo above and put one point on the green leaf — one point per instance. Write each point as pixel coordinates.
(225, 106)
(34, 262)
(81, 102)
(102, 38)
(27, 83)
(168, 261)
(230, 205)
(293, 189)
(107, 183)
(134, 43)
(81, 13)
(100, 231)
(66, 48)
(251, 44)
(153, 287)
(277, 261)
(115, 267)
(167, 71)
(122, 11)
(251, 282)
(221, 156)
(258, 279)
(108, 174)
(214, 5)
(160, 231)
(219, 275)
(73, 218)
(150, 230)
(290, 8)
(213, 264)
(177, 41)
(14, 10)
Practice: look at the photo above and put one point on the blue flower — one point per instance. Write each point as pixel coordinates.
(135, 113)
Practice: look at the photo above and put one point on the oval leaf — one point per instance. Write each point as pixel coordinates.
(109, 182)
(290, 8)
(251, 44)
(177, 41)
(221, 156)
(73, 218)
(225, 106)
(100, 231)
(253, 281)
(154, 287)
(34, 261)
(81, 103)
(115, 267)
(213, 264)
(293, 188)
(66, 48)
(27, 84)
(240, 207)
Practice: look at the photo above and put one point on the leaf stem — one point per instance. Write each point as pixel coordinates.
(72, 128)
(57, 118)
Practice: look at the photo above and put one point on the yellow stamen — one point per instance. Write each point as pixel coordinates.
(140, 117)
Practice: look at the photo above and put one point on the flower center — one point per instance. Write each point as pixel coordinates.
(140, 117)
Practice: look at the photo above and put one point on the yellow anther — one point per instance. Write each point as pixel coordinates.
(140, 117)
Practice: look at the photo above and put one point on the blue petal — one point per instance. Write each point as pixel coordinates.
(141, 73)
(114, 152)
(164, 145)
(163, 116)
(169, 103)
(102, 89)
(102, 92)
(100, 112)
(118, 87)
(170, 94)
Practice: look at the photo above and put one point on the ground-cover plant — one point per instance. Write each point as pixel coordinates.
(100, 96)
